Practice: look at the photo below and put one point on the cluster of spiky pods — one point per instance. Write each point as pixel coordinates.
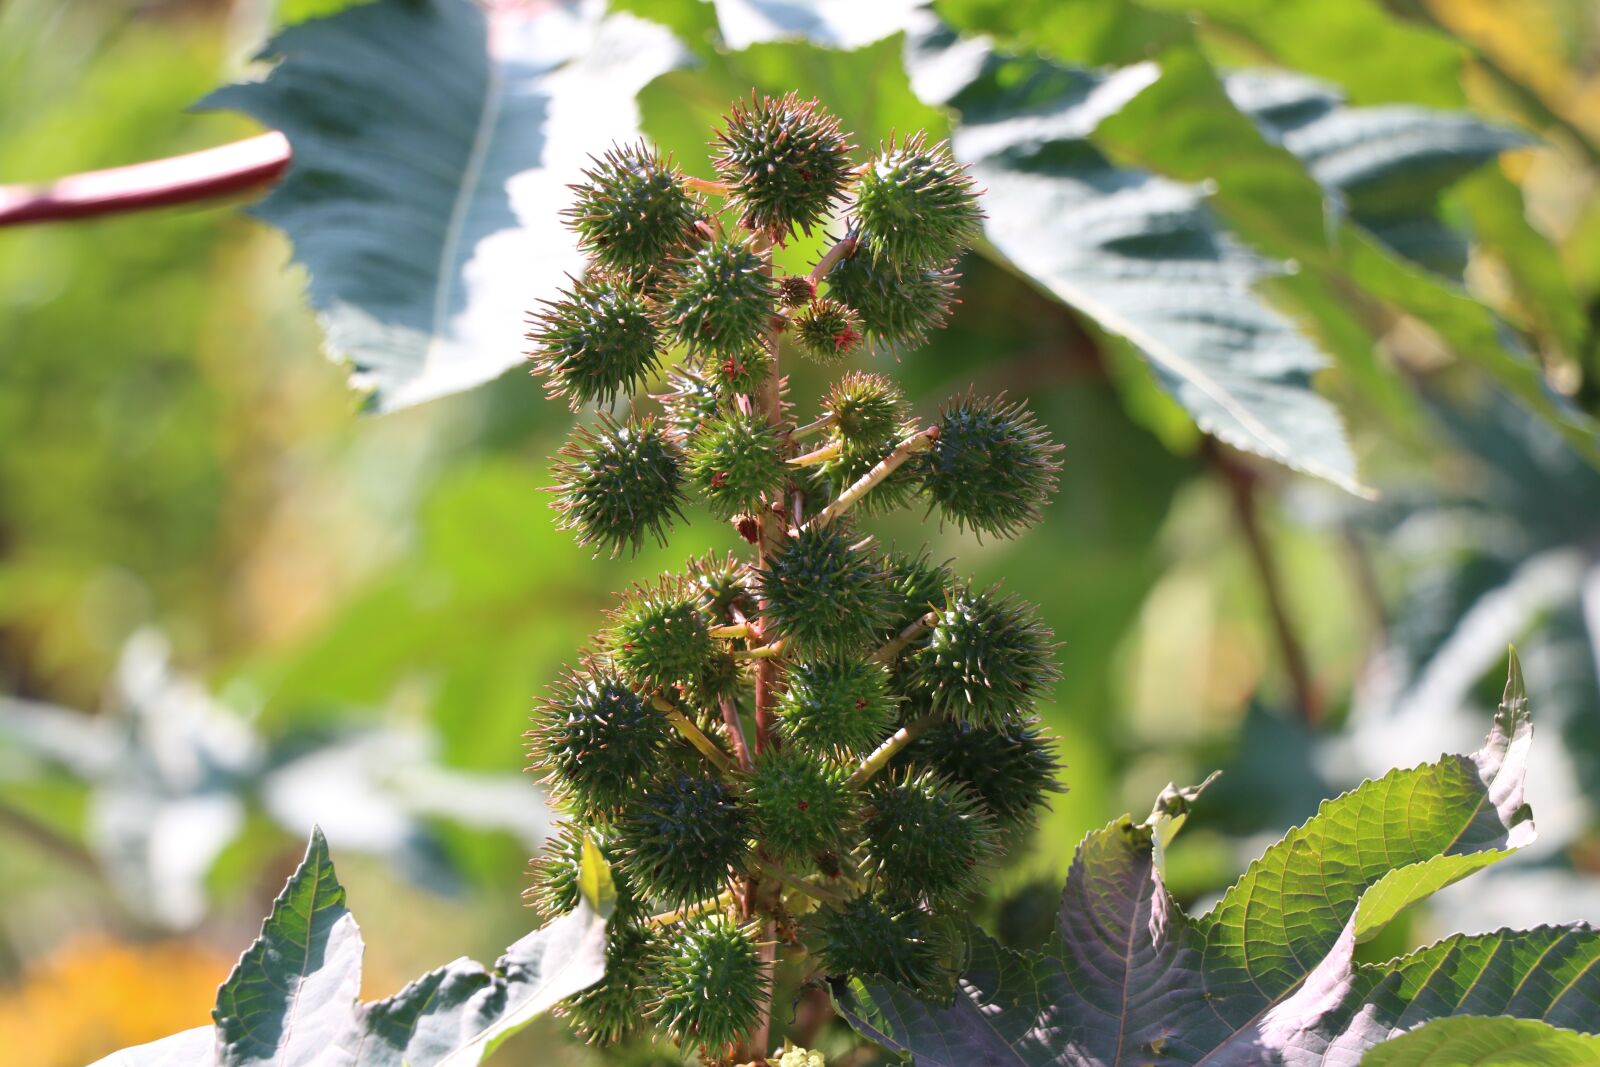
(825, 745)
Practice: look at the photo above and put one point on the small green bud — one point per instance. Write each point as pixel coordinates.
(786, 162)
(720, 299)
(595, 739)
(619, 482)
(682, 838)
(896, 307)
(828, 331)
(867, 409)
(1010, 768)
(870, 938)
(797, 1057)
(836, 704)
(799, 803)
(993, 467)
(927, 838)
(632, 212)
(796, 290)
(659, 637)
(708, 981)
(985, 660)
(916, 207)
(735, 461)
(742, 372)
(824, 593)
(612, 1009)
(597, 342)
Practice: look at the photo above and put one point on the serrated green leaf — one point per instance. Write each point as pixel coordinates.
(1267, 976)
(432, 146)
(1497, 1042)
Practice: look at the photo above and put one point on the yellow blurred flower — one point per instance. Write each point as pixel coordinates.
(94, 995)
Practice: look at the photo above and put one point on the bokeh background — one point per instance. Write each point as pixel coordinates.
(231, 605)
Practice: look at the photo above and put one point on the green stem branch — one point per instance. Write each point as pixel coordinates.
(887, 751)
(693, 734)
(848, 499)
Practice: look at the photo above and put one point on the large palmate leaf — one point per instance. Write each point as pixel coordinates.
(292, 999)
(1268, 975)
(432, 146)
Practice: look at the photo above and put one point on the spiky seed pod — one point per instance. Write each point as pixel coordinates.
(916, 206)
(993, 467)
(612, 1009)
(1010, 768)
(800, 804)
(870, 938)
(867, 409)
(742, 372)
(658, 637)
(925, 837)
(618, 482)
(708, 981)
(896, 307)
(837, 704)
(823, 593)
(735, 461)
(920, 585)
(682, 838)
(598, 341)
(595, 739)
(796, 290)
(719, 677)
(828, 331)
(631, 211)
(692, 399)
(554, 873)
(723, 585)
(855, 461)
(720, 298)
(985, 660)
(786, 162)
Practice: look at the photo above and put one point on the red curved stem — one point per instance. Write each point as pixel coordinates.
(239, 167)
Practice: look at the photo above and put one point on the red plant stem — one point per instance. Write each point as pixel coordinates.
(730, 718)
(240, 167)
(841, 249)
(1241, 482)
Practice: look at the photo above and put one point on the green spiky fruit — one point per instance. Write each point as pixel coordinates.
(796, 290)
(837, 704)
(631, 212)
(692, 398)
(742, 372)
(594, 739)
(799, 803)
(855, 461)
(992, 468)
(658, 636)
(682, 838)
(896, 307)
(824, 593)
(613, 1008)
(1011, 768)
(723, 586)
(870, 938)
(916, 207)
(720, 298)
(828, 331)
(785, 161)
(598, 342)
(985, 660)
(926, 838)
(735, 461)
(867, 409)
(708, 981)
(555, 872)
(618, 482)
(920, 586)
